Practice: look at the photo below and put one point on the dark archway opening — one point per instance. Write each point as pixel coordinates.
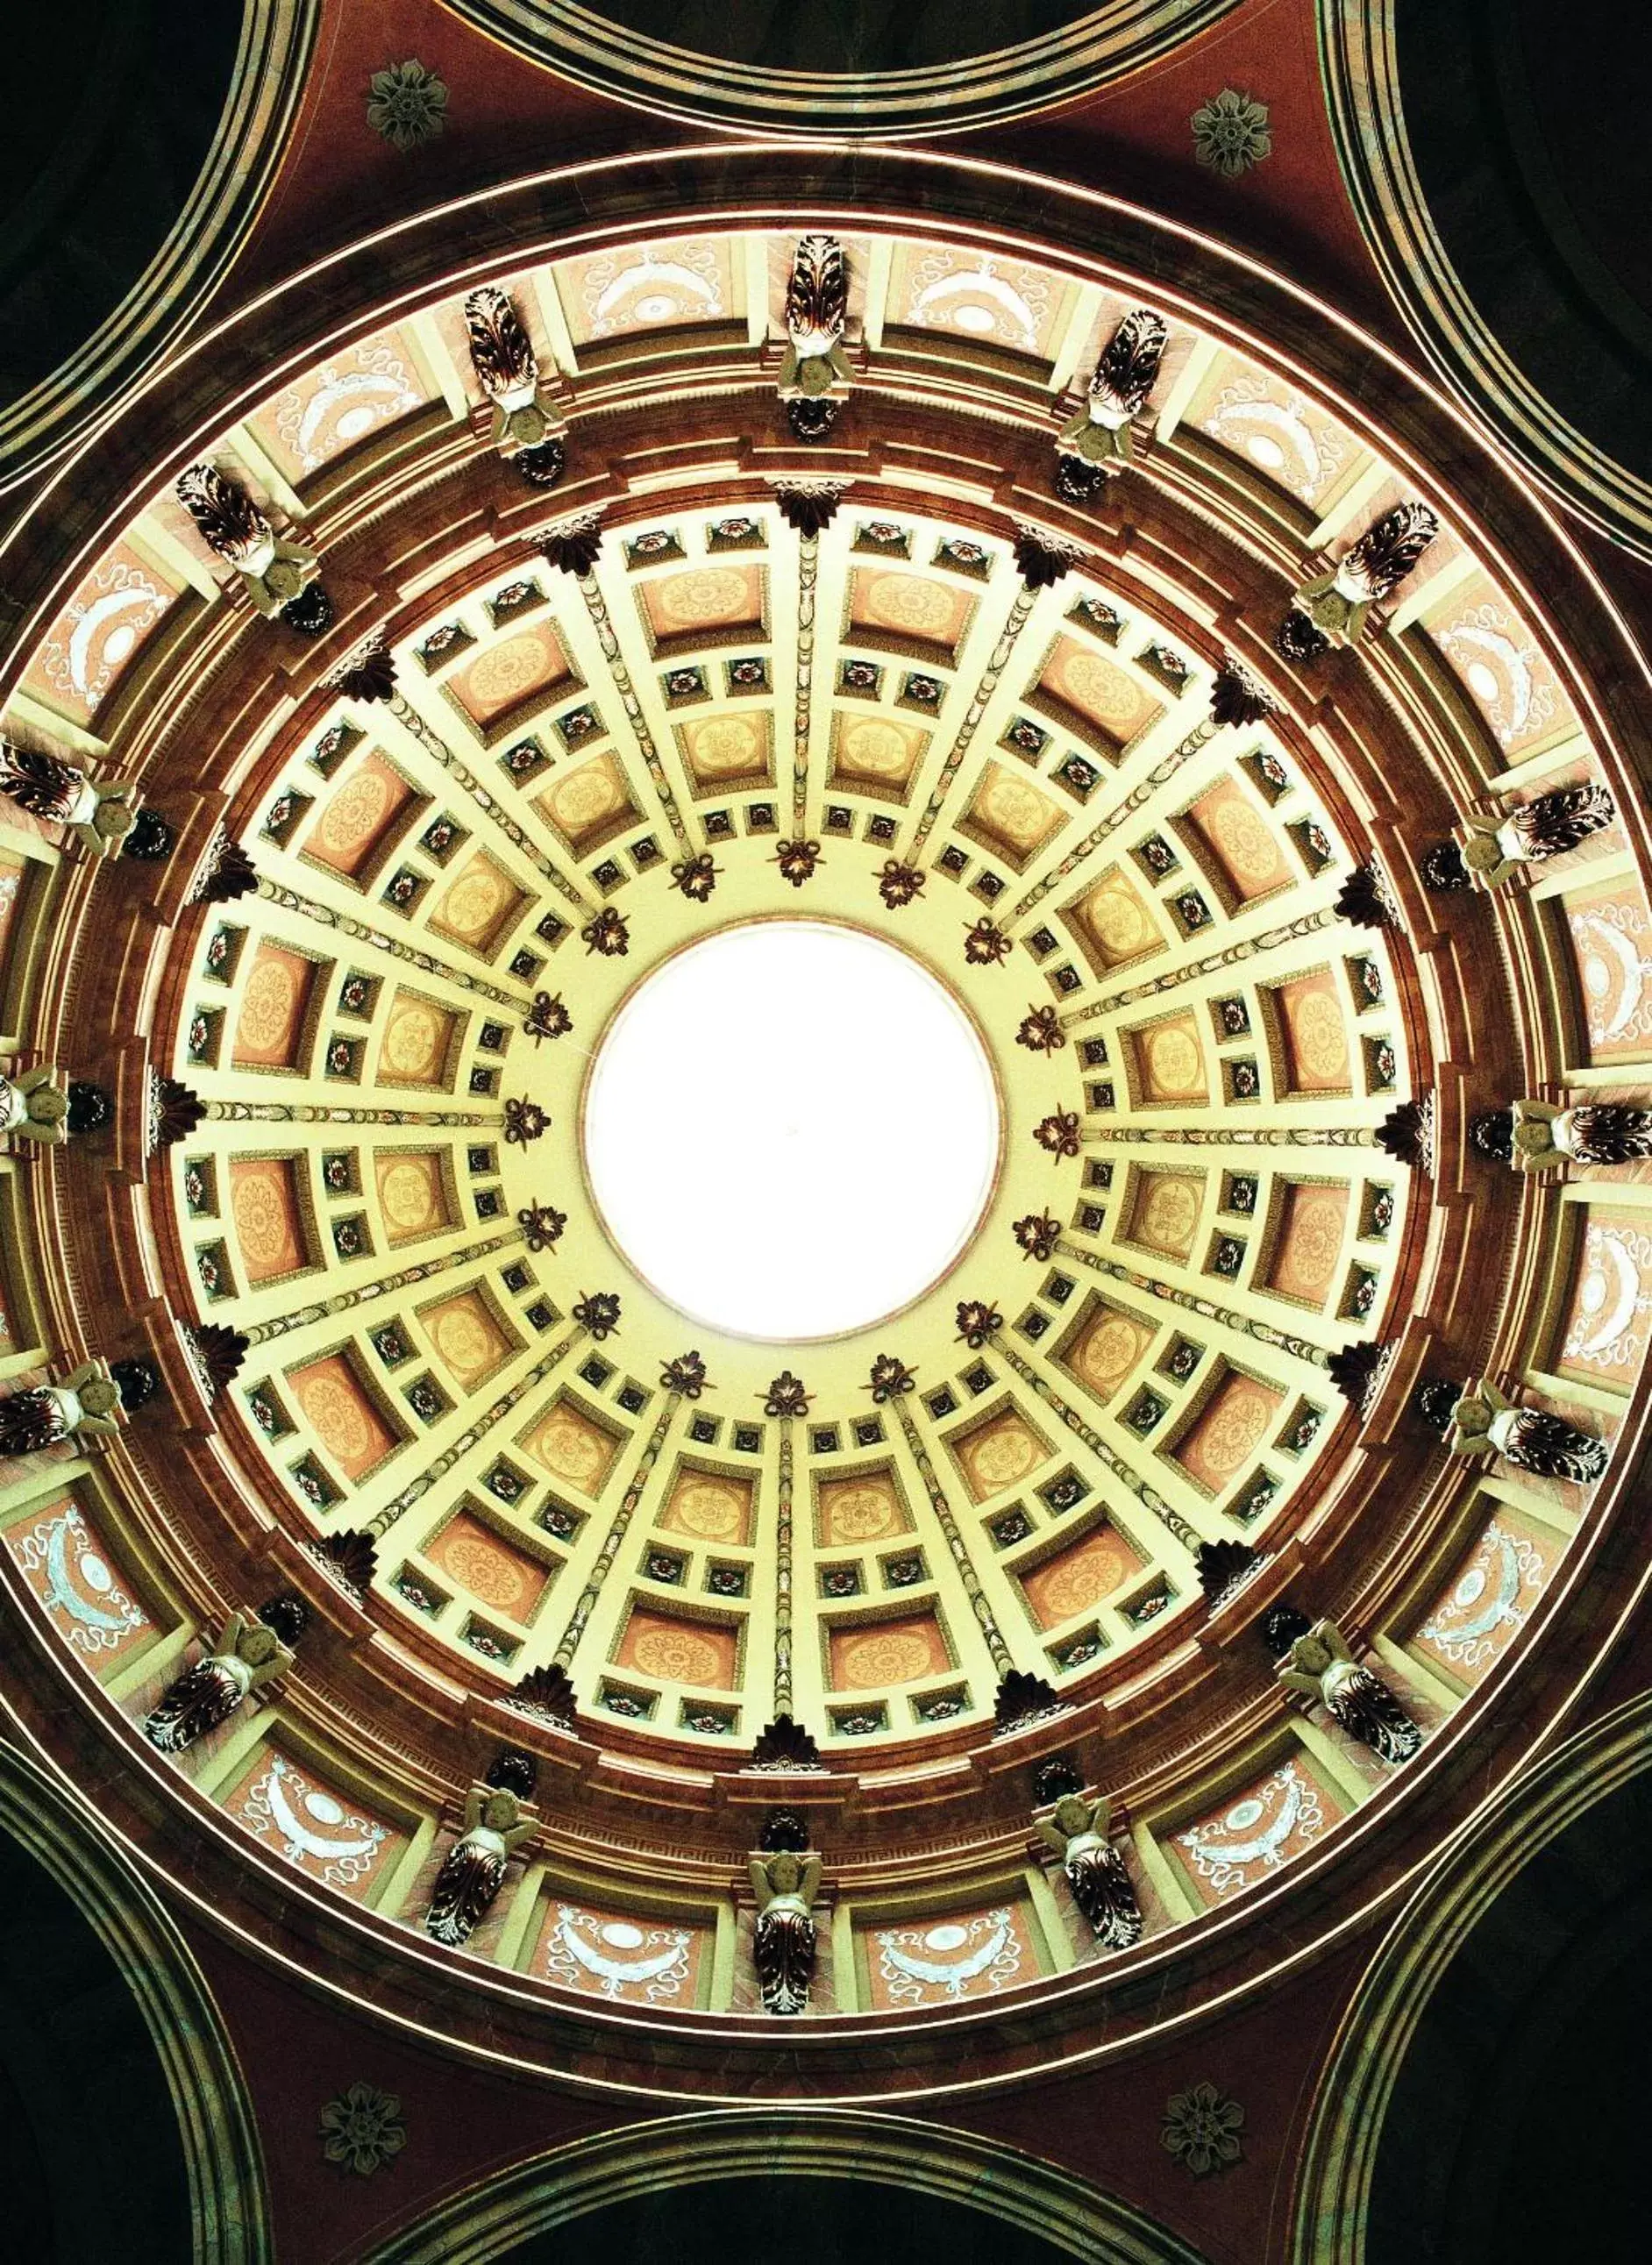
(805, 2221)
(91, 2164)
(1514, 2132)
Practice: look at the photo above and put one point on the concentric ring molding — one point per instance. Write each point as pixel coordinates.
(975, 89)
(419, 527)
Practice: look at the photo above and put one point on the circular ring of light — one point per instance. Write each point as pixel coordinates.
(791, 1130)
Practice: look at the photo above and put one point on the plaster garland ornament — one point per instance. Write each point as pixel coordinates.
(1332, 608)
(527, 432)
(91, 1108)
(809, 506)
(1538, 1136)
(573, 544)
(1022, 1698)
(362, 2129)
(1097, 443)
(214, 1352)
(1481, 1420)
(100, 813)
(1366, 898)
(282, 578)
(34, 1107)
(1076, 1829)
(1042, 560)
(250, 1654)
(85, 1405)
(814, 370)
(350, 1557)
(785, 1876)
(1549, 826)
(473, 1871)
(1315, 1660)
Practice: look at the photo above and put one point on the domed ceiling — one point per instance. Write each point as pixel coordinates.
(891, 684)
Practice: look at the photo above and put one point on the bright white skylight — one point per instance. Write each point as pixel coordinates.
(791, 1130)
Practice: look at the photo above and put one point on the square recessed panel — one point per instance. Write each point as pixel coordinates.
(275, 1023)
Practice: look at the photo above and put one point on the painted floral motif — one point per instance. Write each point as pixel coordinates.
(686, 1375)
(1058, 1132)
(1201, 2129)
(608, 934)
(524, 1121)
(1230, 133)
(696, 878)
(408, 104)
(548, 1017)
(898, 884)
(542, 1224)
(949, 1959)
(363, 2129)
